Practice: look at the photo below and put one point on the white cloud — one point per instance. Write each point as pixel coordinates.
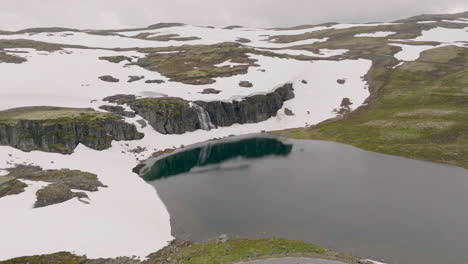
(17, 14)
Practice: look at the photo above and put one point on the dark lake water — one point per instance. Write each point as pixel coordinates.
(334, 195)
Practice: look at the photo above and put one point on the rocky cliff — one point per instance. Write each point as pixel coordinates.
(61, 130)
(252, 109)
(171, 115)
(168, 115)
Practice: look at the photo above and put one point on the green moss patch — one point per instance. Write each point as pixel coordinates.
(213, 252)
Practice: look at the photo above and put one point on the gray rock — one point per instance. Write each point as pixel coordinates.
(133, 78)
(119, 110)
(288, 112)
(210, 91)
(252, 109)
(171, 115)
(243, 40)
(142, 123)
(116, 59)
(120, 98)
(108, 78)
(64, 134)
(168, 115)
(54, 194)
(9, 185)
(245, 84)
(155, 81)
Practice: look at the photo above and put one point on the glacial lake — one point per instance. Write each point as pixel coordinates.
(334, 195)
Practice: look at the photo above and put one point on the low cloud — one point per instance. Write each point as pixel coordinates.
(18, 14)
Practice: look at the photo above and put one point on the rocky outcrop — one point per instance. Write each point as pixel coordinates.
(116, 59)
(119, 110)
(245, 84)
(92, 129)
(8, 58)
(155, 81)
(252, 109)
(9, 185)
(133, 78)
(210, 91)
(56, 193)
(108, 78)
(171, 115)
(62, 182)
(243, 40)
(168, 115)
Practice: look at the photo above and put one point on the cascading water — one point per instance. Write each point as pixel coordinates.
(203, 117)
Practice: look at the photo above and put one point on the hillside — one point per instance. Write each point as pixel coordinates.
(99, 102)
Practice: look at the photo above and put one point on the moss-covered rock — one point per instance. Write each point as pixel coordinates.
(252, 109)
(57, 258)
(197, 64)
(119, 110)
(212, 252)
(167, 115)
(9, 58)
(9, 185)
(108, 78)
(54, 129)
(62, 182)
(55, 193)
(116, 59)
(171, 115)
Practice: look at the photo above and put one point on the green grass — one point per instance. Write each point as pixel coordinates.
(234, 250)
(47, 113)
(57, 258)
(239, 249)
(196, 64)
(421, 112)
(214, 252)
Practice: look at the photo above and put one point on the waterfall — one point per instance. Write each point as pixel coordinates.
(203, 117)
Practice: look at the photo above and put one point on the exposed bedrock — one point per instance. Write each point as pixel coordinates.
(171, 115)
(63, 132)
(63, 185)
(252, 109)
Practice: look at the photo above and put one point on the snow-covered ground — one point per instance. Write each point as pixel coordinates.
(206, 35)
(31, 83)
(410, 52)
(445, 36)
(378, 34)
(127, 217)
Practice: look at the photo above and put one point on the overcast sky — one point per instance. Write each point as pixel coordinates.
(99, 14)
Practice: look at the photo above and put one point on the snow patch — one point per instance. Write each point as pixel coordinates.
(127, 218)
(411, 52)
(426, 22)
(378, 34)
(445, 35)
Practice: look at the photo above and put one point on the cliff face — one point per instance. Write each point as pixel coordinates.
(170, 115)
(63, 134)
(252, 109)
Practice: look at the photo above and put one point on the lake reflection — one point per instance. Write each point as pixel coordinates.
(215, 153)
